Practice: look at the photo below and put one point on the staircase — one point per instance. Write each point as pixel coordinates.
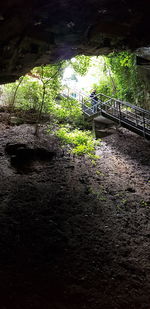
(134, 118)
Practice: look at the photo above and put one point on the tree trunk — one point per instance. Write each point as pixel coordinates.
(40, 111)
(15, 93)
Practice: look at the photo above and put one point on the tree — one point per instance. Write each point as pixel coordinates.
(15, 92)
(125, 76)
(48, 76)
(80, 64)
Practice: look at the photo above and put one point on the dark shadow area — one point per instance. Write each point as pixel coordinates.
(64, 241)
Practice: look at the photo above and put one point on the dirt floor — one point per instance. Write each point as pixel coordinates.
(75, 234)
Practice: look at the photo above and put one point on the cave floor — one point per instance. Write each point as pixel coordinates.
(75, 234)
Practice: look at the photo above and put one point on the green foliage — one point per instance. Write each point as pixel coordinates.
(81, 64)
(28, 96)
(144, 203)
(123, 76)
(117, 73)
(30, 92)
(82, 142)
(104, 87)
(69, 111)
(49, 79)
(119, 78)
(39, 91)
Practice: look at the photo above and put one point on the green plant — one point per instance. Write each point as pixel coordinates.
(99, 173)
(99, 193)
(123, 202)
(80, 64)
(124, 75)
(82, 142)
(68, 111)
(143, 203)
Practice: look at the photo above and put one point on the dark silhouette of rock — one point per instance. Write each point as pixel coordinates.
(21, 155)
(11, 148)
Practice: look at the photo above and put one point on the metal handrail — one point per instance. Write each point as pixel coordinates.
(125, 103)
(136, 117)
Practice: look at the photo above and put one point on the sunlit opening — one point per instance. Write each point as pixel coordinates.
(86, 82)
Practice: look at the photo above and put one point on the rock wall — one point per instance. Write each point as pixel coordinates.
(35, 32)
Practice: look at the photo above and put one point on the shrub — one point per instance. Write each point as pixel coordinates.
(82, 142)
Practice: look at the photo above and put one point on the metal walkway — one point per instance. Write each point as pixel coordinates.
(134, 118)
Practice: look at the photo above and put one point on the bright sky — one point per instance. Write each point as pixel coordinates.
(86, 82)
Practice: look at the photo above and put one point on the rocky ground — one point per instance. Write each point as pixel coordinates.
(75, 233)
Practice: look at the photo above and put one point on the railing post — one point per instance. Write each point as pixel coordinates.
(136, 118)
(93, 127)
(119, 112)
(101, 103)
(143, 125)
(100, 99)
(96, 108)
(80, 97)
(82, 103)
(115, 108)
